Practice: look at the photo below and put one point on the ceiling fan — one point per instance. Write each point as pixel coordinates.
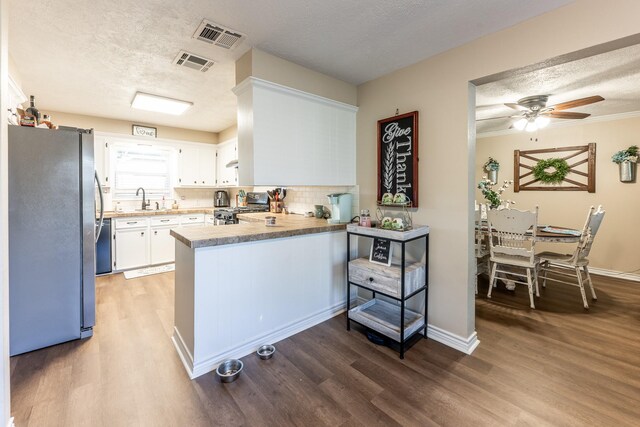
(534, 113)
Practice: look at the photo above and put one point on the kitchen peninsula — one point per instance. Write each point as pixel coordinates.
(240, 286)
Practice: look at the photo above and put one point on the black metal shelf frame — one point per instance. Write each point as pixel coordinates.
(403, 298)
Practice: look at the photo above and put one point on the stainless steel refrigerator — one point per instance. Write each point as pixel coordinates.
(51, 237)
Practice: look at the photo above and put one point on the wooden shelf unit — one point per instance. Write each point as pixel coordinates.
(399, 282)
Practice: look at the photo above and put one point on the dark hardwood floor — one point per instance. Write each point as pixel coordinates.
(556, 365)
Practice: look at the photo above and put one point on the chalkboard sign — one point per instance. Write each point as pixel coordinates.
(398, 159)
(380, 251)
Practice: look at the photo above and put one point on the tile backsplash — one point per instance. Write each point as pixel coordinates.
(298, 200)
(303, 199)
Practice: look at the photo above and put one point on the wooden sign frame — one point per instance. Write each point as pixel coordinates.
(519, 164)
(148, 131)
(381, 251)
(398, 156)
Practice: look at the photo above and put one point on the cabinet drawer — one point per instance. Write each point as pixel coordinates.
(192, 219)
(122, 223)
(165, 220)
(385, 279)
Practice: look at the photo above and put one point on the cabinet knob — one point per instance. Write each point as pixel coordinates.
(155, 232)
(195, 182)
(142, 233)
(371, 279)
(203, 182)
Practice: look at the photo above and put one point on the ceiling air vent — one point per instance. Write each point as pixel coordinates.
(218, 35)
(186, 59)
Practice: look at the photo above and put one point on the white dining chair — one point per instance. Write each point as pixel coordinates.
(574, 265)
(512, 235)
(482, 247)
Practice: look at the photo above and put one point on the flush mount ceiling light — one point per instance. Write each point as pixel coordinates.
(159, 104)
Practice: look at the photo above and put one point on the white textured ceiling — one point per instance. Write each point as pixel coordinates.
(614, 75)
(91, 57)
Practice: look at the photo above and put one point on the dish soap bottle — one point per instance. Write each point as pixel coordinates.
(174, 205)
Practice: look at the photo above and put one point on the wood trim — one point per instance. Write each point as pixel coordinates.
(591, 170)
(554, 150)
(574, 151)
(554, 189)
(414, 149)
(516, 171)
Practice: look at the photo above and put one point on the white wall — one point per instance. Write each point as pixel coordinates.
(5, 399)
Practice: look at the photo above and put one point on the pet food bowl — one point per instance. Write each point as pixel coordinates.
(229, 370)
(266, 352)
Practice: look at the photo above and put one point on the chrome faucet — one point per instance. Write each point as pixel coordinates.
(144, 204)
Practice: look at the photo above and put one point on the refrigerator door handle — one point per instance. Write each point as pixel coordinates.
(101, 220)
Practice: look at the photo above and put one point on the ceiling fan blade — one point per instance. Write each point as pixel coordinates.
(496, 118)
(566, 115)
(516, 106)
(577, 103)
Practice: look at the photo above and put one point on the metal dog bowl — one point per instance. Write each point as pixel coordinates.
(266, 351)
(229, 370)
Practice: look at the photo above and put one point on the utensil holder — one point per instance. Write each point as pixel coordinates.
(276, 207)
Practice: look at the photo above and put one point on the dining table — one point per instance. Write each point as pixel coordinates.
(544, 233)
(557, 235)
(547, 233)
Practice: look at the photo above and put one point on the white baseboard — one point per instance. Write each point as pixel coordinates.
(465, 345)
(183, 351)
(615, 274)
(211, 363)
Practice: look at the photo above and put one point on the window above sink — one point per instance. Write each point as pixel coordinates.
(146, 166)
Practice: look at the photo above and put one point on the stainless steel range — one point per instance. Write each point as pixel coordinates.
(256, 202)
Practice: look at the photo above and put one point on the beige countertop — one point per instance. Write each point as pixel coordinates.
(153, 212)
(254, 230)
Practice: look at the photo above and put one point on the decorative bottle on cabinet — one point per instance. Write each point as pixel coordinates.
(32, 110)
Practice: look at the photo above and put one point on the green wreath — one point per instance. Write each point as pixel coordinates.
(560, 166)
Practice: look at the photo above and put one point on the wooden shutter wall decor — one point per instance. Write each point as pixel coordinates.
(576, 180)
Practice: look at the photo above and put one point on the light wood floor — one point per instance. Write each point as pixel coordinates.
(557, 365)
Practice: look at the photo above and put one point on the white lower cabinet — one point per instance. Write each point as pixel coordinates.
(140, 242)
(163, 248)
(132, 248)
(192, 220)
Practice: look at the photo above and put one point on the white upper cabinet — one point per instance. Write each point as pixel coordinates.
(290, 137)
(227, 171)
(101, 158)
(197, 165)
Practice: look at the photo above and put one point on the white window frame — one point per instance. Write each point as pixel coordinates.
(150, 193)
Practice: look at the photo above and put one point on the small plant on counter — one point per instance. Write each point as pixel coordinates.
(491, 165)
(494, 197)
(628, 155)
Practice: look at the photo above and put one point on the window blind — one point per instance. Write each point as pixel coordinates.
(141, 166)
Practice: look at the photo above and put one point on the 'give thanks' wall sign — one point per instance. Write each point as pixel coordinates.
(398, 156)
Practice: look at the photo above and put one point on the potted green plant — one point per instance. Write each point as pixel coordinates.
(491, 167)
(494, 197)
(627, 161)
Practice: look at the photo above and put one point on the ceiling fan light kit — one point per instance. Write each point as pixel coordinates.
(533, 113)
